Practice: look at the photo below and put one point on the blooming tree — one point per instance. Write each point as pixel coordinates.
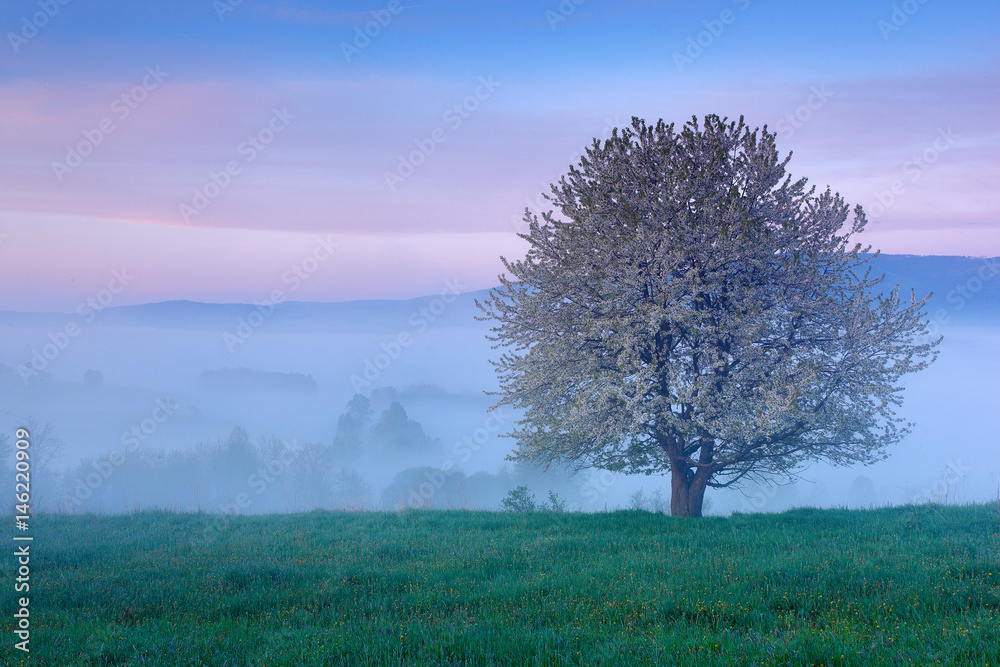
(695, 310)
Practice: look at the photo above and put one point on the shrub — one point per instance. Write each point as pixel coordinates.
(519, 500)
(556, 504)
(637, 500)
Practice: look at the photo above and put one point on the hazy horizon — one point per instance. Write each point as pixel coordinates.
(303, 361)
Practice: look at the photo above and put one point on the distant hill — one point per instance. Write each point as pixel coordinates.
(369, 316)
(966, 289)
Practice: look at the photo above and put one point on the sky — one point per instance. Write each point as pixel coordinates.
(223, 150)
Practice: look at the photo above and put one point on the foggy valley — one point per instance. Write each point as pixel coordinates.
(281, 377)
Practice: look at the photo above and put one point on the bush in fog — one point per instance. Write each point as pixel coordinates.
(659, 504)
(862, 492)
(519, 500)
(556, 504)
(637, 500)
(557, 477)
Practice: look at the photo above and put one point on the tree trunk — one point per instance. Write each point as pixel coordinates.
(687, 491)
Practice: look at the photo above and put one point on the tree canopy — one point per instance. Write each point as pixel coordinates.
(692, 309)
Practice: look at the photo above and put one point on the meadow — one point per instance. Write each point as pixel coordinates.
(916, 585)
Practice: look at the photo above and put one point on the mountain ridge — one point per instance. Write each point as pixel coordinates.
(966, 288)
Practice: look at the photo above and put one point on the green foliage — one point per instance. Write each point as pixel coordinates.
(807, 587)
(556, 504)
(519, 500)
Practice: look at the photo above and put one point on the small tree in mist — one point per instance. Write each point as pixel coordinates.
(862, 492)
(556, 504)
(696, 311)
(352, 430)
(519, 500)
(396, 436)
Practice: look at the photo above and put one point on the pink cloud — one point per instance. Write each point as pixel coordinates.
(325, 173)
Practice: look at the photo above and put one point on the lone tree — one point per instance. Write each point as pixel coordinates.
(695, 310)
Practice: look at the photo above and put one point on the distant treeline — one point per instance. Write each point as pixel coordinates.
(238, 474)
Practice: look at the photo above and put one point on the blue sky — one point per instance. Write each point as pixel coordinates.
(896, 101)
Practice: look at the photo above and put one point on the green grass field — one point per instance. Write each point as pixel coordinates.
(909, 586)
